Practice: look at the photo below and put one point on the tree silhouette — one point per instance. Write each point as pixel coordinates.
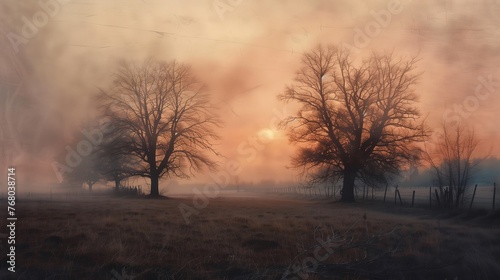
(166, 114)
(81, 161)
(452, 163)
(115, 158)
(356, 121)
(87, 171)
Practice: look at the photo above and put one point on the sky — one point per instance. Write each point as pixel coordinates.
(57, 54)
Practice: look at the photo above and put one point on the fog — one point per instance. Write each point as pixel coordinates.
(245, 51)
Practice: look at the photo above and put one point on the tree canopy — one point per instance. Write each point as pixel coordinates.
(167, 115)
(357, 121)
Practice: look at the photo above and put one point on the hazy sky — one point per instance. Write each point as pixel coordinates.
(55, 58)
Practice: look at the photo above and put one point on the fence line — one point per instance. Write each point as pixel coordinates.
(475, 197)
(76, 194)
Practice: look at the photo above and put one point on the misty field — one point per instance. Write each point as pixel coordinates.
(252, 237)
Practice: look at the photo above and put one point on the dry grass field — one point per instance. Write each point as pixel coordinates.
(274, 237)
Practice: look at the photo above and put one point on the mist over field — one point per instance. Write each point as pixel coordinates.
(238, 139)
(245, 54)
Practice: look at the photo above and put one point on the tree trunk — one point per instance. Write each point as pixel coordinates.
(457, 200)
(348, 186)
(117, 184)
(154, 185)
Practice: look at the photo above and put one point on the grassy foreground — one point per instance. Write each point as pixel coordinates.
(248, 238)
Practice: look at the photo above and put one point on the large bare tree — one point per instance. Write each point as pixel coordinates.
(357, 121)
(166, 113)
(452, 163)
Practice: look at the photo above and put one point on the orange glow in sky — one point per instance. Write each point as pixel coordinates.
(56, 57)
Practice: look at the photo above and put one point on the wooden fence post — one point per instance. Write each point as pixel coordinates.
(430, 197)
(400, 200)
(437, 197)
(494, 193)
(413, 198)
(473, 195)
(396, 195)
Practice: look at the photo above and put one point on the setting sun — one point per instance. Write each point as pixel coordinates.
(268, 134)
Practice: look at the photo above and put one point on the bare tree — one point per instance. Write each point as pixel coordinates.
(452, 163)
(355, 121)
(116, 162)
(167, 116)
(86, 172)
(79, 163)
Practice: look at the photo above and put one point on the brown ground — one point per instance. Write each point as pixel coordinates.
(248, 238)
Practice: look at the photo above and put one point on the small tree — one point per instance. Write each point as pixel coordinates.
(452, 163)
(80, 162)
(116, 161)
(87, 171)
